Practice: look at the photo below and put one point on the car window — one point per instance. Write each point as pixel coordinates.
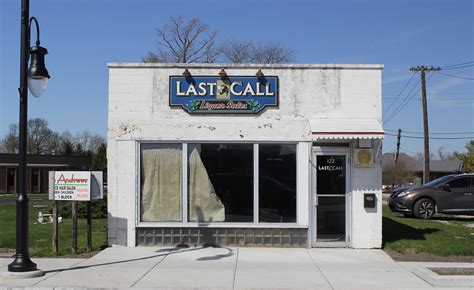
(459, 183)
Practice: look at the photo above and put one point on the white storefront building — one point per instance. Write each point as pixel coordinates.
(245, 154)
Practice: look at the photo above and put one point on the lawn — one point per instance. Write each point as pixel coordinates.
(40, 234)
(444, 235)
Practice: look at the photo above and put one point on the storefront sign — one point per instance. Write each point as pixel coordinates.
(72, 185)
(203, 94)
(76, 185)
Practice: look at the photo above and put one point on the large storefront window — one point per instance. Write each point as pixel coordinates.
(220, 184)
(277, 183)
(161, 182)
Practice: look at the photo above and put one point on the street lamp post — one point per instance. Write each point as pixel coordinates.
(38, 78)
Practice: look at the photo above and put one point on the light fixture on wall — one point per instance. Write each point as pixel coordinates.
(222, 73)
(259, 73)
(186, 73)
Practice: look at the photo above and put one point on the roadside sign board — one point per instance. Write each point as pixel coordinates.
(75, 185)
(72, 185)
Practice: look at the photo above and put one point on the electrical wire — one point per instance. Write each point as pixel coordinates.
(437, 99)
(406, 102)
(402, 104)
(432, 138)
(436, 133)
(453, 76)
(458, 64)
(399, 94)
(457, 67)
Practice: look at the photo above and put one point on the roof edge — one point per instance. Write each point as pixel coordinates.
(243, 65)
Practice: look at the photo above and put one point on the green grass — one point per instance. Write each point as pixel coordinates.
(444, 235)
(40, 234)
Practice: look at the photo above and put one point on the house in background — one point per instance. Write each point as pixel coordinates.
(37, 170)
(438, 168)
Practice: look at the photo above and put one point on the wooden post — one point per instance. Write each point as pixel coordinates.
(55, 228)
(89, 226)
(74, 228)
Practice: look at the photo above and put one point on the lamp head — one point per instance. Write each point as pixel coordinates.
(37, 73)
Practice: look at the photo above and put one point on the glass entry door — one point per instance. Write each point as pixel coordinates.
(330, 176)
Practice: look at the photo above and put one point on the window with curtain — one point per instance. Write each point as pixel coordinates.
(220, 182)
(161, 182)
(277, 183)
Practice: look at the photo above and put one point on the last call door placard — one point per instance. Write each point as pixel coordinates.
(233, 94)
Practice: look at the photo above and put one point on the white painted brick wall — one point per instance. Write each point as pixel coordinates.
(139, 110)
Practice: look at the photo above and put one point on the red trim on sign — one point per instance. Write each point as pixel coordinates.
(347, 133)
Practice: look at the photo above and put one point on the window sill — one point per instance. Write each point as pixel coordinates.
(218, 225)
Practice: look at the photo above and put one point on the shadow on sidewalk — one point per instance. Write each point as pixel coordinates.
(175, 250)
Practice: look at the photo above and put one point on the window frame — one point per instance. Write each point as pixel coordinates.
(185, 222)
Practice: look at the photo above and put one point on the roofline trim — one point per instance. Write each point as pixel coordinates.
(244, 66)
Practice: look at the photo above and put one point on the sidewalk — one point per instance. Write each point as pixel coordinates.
(223, 268)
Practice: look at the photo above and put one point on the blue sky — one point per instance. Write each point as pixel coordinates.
(82, 36)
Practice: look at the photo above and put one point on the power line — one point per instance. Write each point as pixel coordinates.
(437, 133)
(436, 99)
(453, 76)
(440, 94)
(399, 94)
(406, 102)
(458, 64)
(457, 67)
(402, 104)
(433, 138)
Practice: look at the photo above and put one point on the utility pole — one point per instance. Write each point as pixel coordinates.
(426, 154)
(396, 155)
(398, 145)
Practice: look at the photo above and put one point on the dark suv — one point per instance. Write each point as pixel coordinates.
(451, 194)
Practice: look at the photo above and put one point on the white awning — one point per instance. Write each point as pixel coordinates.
(346, 129)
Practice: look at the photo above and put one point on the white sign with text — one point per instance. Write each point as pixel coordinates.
(72, 185)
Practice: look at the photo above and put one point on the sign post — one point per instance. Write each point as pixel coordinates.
(74, 186)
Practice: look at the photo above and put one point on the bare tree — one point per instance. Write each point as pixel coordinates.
(249, 52)
(184, 42)
(151, 58)
(397, 173)
(272, 52)
(237, 51)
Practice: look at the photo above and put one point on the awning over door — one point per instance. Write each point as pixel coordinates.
(346, 129)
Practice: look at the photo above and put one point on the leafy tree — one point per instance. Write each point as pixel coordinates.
(99, 158)
(40, 138)
(467, 158)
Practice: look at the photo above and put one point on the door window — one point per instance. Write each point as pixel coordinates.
(331, 198)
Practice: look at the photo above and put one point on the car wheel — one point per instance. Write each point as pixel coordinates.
(424, 208)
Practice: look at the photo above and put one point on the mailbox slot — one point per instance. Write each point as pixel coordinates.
(370, 201)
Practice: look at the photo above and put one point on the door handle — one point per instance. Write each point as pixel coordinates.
(469, 193)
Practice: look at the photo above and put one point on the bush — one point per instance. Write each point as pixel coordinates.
(98, 206)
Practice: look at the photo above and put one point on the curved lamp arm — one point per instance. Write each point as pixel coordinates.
(37, 30)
